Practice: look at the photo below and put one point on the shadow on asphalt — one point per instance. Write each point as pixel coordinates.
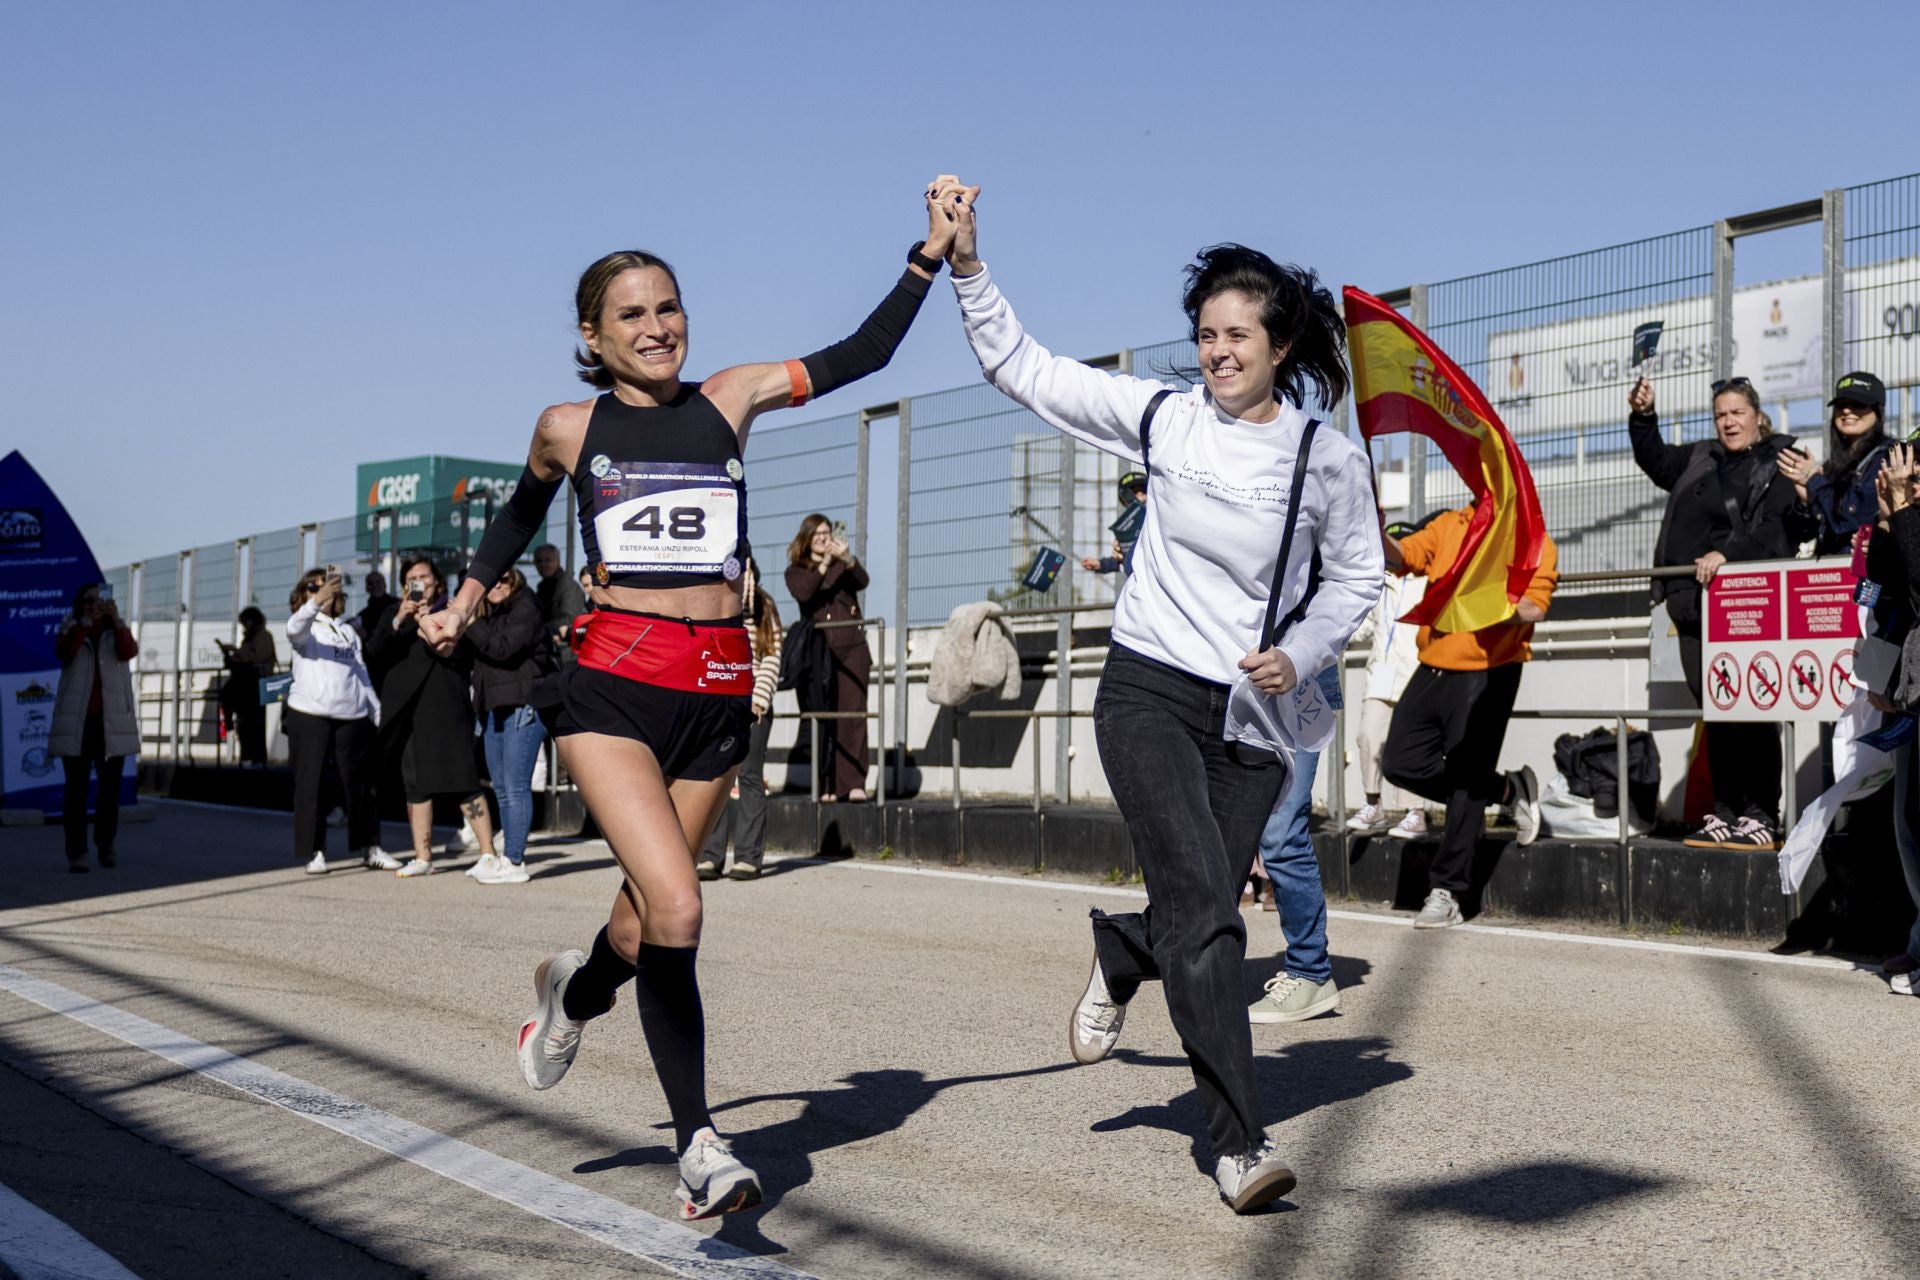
(1528, 1194)
(868, 1104)
(1299, 1078)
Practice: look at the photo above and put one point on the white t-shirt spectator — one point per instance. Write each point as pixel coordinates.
(329, 677)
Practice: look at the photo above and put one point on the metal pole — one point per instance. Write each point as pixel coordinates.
(956, 758)
(880, 717)
(182, 647)
(1033, 723)
(1833, 284)
(1722, 300)
(1417, 445)
(902, 545)
(860, 481)
(1063, 633)
(1626, 830)
(1789, 798)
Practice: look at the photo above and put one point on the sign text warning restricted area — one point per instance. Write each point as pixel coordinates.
(1779, 641)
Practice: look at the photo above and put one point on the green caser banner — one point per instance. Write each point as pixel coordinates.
(434, 502)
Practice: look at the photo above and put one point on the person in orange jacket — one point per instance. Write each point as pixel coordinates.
(1450, 724)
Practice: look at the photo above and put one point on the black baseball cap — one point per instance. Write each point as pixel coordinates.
(1133, 480)
(1862, 389)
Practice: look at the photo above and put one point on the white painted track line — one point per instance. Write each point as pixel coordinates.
(1355, 917)
(668, 1245)
(35, 1245)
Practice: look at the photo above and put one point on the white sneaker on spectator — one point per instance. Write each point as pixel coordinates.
(1411, 827)
(1439, 912)
(415, 867)
(483, 866)
(1368, 820)
(1526, 804)
(504, 872)
(377, 859)
(317, 865)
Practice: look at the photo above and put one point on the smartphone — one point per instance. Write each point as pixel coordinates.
(840, 530)
(416, 591)
(106, 591)
(333, 573)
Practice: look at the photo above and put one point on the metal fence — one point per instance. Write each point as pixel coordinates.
(983, 484)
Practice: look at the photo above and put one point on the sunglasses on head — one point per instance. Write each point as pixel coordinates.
(1728, 384)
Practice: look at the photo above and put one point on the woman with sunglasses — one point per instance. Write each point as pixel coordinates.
(1729, 501)
(1837, 497)
(331, 713)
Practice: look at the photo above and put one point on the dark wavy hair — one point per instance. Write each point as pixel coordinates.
(1297, 311)
(590, 299)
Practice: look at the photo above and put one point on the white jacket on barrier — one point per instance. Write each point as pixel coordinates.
(975, 653)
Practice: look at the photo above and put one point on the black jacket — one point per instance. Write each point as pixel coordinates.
(505, 647)
(425, 699)
(1701, 477)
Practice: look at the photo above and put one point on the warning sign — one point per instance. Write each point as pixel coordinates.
(1723, 682)
(1778, 639)
(1842, 681)
(1806, 678)
(1763, 680)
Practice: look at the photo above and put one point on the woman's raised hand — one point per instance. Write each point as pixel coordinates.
(941, 219)
(955, 199)
(1898, 473)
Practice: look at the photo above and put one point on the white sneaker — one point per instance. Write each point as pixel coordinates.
(1368, 820)
(415, 867)
(463, 839)
(1526, 804)
(1902, 984)
(549, 1040)
(482, 866)
(1249, 1181)
(317, 866)
(712, 1180)
(1094, 1026)
(1440, 911)
(377, 859)
(504, 872)
(1411, 827)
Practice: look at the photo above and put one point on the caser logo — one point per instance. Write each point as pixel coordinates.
(484, 486)
(394, 491)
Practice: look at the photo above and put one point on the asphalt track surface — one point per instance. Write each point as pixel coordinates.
(213, 1064)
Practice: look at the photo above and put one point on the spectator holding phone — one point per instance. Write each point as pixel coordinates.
(330, 717)
(426, 713)
(1729, 501)
(506, 636)
(1837, 497)
(825, 580)
(94, 725)
(246, 663)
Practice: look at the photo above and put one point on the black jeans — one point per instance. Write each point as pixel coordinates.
(1444, 745)
(1742, 759)
(106, 802)
(311, 742)
(1195, 806)
(745, 819)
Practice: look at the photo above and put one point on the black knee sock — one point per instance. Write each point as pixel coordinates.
(590, 991)
(668, 994)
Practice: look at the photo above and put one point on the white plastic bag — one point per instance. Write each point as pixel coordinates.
(1568, 816)
(1301, 719)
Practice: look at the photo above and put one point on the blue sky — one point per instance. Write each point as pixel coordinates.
(250, 246)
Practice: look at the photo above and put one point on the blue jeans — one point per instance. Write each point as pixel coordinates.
(512, 737)
(1286, 850)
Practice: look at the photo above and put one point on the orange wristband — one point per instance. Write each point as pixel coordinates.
(797, 375)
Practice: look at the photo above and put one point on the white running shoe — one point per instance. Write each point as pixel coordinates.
(1094, 1026)
(1526, 805)
(712, 1180)
(504, 872)
(1411, 827)
(317, 865)
(415, 867)
(1247, 1182)
(1439, 911)
(1368, 820)
(377, 859)
(549, 1040)
(482, 866)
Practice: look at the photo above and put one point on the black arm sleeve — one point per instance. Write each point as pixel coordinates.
(519, 522)
(873, 343)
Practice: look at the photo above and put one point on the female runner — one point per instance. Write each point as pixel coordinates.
(658, 712)
(1220, 462)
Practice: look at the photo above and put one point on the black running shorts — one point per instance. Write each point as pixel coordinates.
(696, 736)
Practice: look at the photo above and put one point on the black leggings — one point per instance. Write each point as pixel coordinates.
(311, 742)
(1742, 759)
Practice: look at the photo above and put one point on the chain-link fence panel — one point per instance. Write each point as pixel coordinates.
(1556, 346)
(1882, 292)
(793, 471)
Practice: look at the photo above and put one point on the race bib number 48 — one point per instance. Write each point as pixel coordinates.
(669, 518)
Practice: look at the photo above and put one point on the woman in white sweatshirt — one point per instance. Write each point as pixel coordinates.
(331, 711)
(1220, 458)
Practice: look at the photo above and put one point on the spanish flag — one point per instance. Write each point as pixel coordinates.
(1402, 381)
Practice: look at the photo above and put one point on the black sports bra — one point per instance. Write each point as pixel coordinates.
(662, 492)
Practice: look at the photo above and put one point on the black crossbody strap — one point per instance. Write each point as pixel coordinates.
(1286, 539)
(1146, 422)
